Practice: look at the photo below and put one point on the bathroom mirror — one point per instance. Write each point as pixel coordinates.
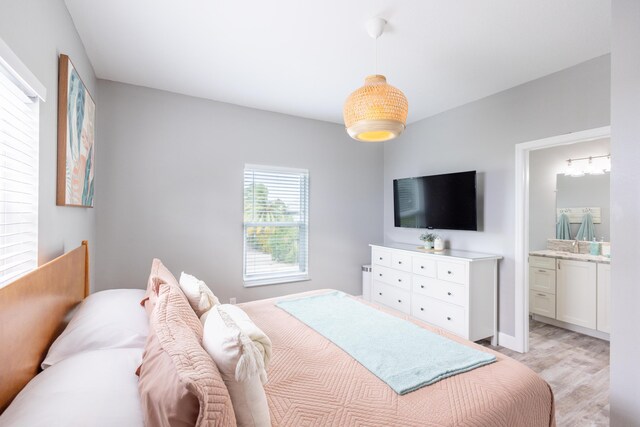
(586, 191)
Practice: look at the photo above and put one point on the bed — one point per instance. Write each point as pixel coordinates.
(311, 380)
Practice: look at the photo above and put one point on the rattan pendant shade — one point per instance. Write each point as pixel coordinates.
(376, 112)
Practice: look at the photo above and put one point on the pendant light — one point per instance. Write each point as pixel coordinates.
(377, 111)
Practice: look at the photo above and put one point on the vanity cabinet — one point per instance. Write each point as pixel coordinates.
(604, 298)
(542, 286)
(576, 293)
(454, 290)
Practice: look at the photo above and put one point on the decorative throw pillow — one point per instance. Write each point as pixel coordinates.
(198, 293)
(240, 364)
(249, 328)
(159, 274)
(180, 385)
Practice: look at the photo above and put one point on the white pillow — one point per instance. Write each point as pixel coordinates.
(94, 388)
(198, 294)
(240, 364)
(106, 319)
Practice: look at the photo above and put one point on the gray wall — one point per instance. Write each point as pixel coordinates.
(481, 136)
(38, 31)
(625, 225)
(171, 186)
(544, 165)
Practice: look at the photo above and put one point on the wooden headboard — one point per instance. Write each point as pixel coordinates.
(33, 312)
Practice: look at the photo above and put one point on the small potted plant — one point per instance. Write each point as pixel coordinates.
(428, 239)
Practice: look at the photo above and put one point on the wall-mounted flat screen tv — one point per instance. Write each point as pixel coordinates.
(444, 202)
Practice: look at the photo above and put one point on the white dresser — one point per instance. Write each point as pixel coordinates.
(454, 290)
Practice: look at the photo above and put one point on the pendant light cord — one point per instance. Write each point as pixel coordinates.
(375, 66)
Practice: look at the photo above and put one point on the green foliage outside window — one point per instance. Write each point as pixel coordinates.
(281, 242)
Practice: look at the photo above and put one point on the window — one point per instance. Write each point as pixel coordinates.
(276, 223)
(18, 178)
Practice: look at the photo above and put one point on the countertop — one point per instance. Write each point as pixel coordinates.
(568, 255)
(453, 253)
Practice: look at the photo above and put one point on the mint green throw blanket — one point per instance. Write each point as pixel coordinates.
(400, 353)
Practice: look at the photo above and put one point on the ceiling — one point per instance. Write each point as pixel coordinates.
(304, 57)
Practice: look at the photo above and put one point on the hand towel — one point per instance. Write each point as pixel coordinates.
(587, 230)
(563, 228)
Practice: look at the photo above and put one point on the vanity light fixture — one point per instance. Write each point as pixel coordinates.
(592, 165)
(376, 112)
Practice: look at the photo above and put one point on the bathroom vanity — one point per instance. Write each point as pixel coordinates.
(571, 290)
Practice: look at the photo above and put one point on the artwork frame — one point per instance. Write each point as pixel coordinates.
(76, 138)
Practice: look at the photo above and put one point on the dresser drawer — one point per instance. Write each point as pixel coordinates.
(390, 296)
(380, 257)
(397, 278)
(424, 266)
(447, 316)
(452, 272)
(445, 291)
(542, 303)
(401, 261)
(542, 279)
(542, 262)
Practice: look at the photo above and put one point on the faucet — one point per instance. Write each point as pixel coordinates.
(576, 246)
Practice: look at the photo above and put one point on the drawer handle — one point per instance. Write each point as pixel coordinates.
(399, 280)
(399, 262)
(449, 272)
(541, 295)
(448, 318)
(400, 300)
(380, 274)
(380, 293)
(542, 271)
(449, 293)
(421, 308)
(380, 258)
(422, 286)
(422, 267)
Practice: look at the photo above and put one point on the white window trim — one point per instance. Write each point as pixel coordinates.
(23, 76)
(22, 86)
(277, 278)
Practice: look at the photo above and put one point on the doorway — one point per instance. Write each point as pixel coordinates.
(522, 237)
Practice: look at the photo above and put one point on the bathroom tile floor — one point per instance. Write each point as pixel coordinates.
(577, 368)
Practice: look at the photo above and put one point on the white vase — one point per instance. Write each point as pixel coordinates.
(438, 244)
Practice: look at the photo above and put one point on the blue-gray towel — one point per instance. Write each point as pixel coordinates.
(400, 353)
(563, 228)
(586, 231)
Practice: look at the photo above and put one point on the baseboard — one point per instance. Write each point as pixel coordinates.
(575, 328)
(509, 341)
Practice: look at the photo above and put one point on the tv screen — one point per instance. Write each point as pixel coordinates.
(436, 202)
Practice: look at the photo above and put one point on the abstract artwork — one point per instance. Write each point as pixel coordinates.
(76, 138)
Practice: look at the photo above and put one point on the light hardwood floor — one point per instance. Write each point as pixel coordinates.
(577, 368)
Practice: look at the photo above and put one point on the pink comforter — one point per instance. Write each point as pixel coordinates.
(312, 382)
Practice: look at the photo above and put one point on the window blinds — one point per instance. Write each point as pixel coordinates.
(276, 204)
(18, 181)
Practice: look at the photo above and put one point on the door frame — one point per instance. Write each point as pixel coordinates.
(521, 339)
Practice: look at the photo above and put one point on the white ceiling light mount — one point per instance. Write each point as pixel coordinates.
(377, 111)
(375, 27)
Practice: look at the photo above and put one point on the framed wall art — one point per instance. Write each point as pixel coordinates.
(76, 138)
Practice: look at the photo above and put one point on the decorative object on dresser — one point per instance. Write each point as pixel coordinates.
(454, 290)
(76, 137)
(428, 239)
(438, 244)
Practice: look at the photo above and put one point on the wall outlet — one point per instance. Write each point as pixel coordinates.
(232, 300)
